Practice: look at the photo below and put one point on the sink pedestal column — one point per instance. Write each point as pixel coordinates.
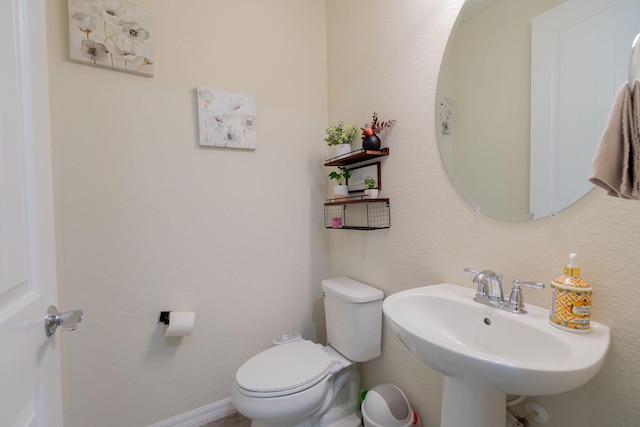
(466, 405)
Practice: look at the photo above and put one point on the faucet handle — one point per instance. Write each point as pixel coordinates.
(516, 299)
(537, 285)
(470, 271)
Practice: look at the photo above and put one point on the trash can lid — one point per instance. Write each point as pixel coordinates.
(386, 405)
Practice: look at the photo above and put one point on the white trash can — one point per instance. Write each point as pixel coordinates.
(385, 405)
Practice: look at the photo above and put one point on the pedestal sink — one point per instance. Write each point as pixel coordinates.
(486, 353)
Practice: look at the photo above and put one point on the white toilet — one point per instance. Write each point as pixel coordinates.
(303, 384)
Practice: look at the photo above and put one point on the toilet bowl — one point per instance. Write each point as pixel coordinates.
(300, 384)
(304, 384)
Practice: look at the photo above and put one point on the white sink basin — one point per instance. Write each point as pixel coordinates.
(492, 350)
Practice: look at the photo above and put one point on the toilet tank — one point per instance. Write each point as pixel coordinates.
(353, 314)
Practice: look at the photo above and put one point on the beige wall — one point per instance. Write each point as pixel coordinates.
(385, 56)
(148, 221)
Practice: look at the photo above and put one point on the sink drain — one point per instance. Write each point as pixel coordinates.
(487, 321)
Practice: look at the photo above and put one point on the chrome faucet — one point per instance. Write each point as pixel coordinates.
(489, 287)
(489, 291)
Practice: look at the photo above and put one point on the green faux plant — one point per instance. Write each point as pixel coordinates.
(340, 176)
(369, 183)
(340, 133)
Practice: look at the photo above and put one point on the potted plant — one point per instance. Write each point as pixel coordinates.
(369, 188)
(339, 138)
(341, 190)
(370, 139)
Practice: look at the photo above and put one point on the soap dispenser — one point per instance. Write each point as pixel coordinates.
(571, 299)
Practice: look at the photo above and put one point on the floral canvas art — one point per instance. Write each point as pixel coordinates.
(111, 33)
(226, 119)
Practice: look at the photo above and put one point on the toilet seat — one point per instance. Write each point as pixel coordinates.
(284, 369)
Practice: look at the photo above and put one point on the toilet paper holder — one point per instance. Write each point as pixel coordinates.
(177, 323)
(164, 317)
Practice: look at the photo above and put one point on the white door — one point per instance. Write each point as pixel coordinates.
(30, 392)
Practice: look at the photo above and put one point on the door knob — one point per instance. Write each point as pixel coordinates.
(68, 320)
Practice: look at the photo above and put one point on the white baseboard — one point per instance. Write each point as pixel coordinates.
(197, 417)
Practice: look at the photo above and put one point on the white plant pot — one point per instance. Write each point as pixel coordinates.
(372, 193)
(340, 191)
(339, 150)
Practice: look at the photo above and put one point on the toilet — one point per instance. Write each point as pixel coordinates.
(304, 384)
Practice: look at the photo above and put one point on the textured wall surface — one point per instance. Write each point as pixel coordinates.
(385, 56)
(148, 221)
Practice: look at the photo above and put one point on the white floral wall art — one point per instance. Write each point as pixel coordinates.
(111, 33)
(226, 119)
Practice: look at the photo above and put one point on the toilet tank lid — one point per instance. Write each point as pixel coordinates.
(351, 290)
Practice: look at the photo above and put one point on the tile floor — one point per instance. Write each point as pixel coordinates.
(233, 420)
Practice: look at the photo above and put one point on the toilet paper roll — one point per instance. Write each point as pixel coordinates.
(181, 323)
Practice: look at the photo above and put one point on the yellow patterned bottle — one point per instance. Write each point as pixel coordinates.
(571, 300)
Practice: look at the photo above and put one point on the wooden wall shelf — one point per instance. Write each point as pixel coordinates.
(357, 156)
(357, 212)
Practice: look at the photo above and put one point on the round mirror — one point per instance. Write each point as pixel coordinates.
(524, 93)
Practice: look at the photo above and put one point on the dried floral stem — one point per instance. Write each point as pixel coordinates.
(377, 126)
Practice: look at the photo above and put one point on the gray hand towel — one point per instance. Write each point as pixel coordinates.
(616, 164)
